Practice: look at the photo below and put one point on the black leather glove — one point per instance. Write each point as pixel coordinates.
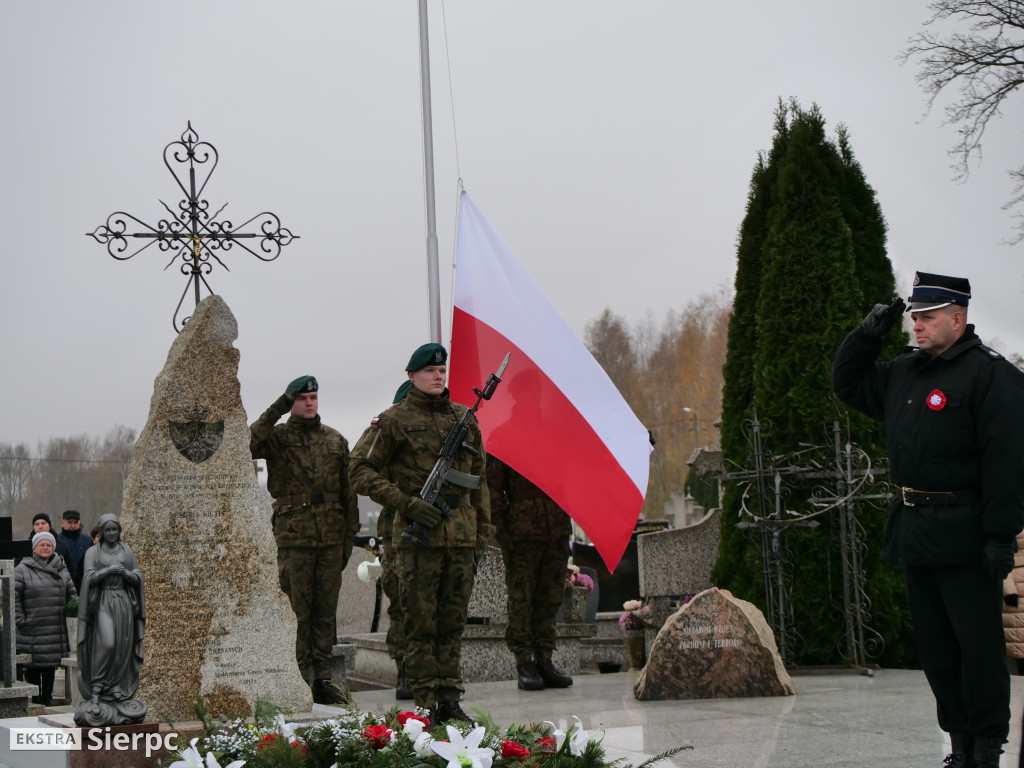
(997, 556)
(882, 318)
(423, 513)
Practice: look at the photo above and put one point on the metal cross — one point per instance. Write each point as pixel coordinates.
(192, 232)
(830, 481)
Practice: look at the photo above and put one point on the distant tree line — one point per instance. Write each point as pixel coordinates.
(670, 373)
(78, 472)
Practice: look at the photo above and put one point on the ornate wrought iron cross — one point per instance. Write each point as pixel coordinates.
(192, 232)
(824, 481)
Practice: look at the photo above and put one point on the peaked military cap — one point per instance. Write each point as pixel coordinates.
(302, 384)
(428, 354)
(935, 291)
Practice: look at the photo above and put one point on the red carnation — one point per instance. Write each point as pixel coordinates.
(517, 751)
(546, 743)
(268, 740)
(403, 716)
(377, 735)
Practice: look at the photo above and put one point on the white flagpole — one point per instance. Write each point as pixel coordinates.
(433, 278)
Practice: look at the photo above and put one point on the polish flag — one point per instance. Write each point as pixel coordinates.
(556, 418)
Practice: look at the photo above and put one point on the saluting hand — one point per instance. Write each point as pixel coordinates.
(882, 318)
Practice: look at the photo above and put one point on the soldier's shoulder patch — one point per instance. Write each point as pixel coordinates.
(990, 352)
(374, 420)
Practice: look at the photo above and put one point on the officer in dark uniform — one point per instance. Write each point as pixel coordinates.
(953, 411)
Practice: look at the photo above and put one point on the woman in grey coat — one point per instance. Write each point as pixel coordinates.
(42, 589)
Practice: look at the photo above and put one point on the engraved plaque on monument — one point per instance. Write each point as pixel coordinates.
(217, 623)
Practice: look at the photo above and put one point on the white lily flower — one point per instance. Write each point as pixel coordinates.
(211, 762)
(464, 752)
(363, 569)
(557, 733)
(285, 729)
(190, 757)
(578, 738)
(423, 745)
(413, 728)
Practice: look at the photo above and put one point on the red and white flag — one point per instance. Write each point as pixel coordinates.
(556, 418)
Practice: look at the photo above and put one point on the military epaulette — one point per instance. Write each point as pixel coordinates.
(990, 352)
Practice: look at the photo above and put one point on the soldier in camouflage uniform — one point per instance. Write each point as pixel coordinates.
(534, 534)
(389, 584)
(390, 464)
(315, 521)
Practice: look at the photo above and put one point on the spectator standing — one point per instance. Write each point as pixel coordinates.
(42, 589)
(76, 541)
(41, 524)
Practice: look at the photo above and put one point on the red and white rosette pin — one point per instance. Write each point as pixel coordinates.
(936, 400)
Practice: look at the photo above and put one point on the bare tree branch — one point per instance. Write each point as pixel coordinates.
(984, 65)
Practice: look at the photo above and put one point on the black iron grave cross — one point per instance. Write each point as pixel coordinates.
(192, 232)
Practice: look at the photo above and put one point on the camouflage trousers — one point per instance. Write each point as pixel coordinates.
(311, 577)
(535, 576)
(434, 587)
(396, 619)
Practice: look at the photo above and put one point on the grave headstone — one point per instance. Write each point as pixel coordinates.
(217, 623)
(714, 647)
(11, 548)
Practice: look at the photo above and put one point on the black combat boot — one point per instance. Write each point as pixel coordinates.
(987, 750)
(961, 751)
(552, 677)
(529, 677)
(402, 691)
(326, 691)
(449, 710)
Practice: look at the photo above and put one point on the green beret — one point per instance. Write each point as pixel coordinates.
(428, 354)
(402, 391)
(302, 384)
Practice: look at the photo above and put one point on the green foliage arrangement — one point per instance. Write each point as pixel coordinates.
(395, 739)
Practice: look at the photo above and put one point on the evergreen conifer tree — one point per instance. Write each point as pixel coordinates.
(811, 262)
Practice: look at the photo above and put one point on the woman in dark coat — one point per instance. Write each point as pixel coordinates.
(42, 589)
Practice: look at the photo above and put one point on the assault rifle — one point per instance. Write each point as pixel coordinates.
(442, 474)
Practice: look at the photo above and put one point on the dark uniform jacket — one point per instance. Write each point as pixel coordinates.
(954, 422)
(307, 474)
(393, 459)
(520, 510)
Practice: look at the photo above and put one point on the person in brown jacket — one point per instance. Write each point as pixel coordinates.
(1013, 609)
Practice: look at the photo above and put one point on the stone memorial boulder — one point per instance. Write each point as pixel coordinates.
(217, 623)
(714, 647)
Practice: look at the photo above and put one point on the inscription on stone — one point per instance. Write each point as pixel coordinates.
(217, 622)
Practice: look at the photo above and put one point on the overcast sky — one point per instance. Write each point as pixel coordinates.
(610, 143)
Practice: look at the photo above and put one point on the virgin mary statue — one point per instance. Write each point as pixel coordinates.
(111, 619)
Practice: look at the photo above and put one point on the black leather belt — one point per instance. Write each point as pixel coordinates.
(306, 499)
(912, 497)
